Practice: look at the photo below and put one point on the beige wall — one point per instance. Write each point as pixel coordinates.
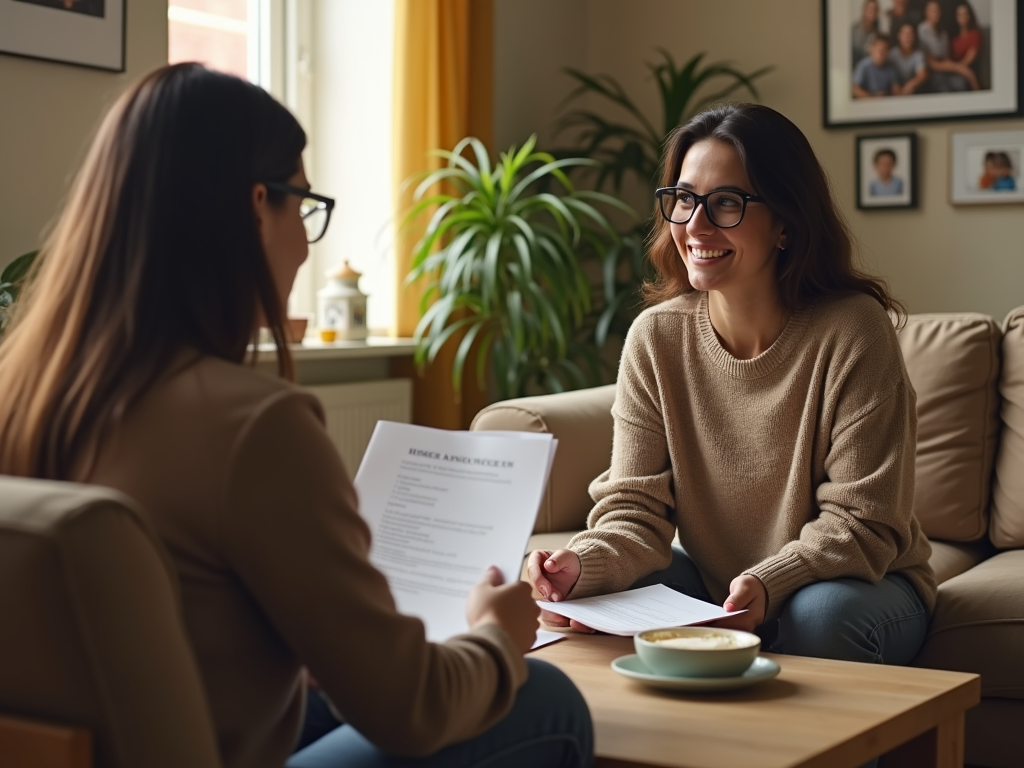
(50, 112)
(937, 258)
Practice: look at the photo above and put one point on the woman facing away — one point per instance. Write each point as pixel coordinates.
(762, 411)
(182, 235)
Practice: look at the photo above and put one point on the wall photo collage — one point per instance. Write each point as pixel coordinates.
(902, 61)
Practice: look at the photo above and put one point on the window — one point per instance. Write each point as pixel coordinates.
(223, 34)
(334, 73)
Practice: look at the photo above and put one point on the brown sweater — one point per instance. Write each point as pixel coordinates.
(796, 466)
(252, 501)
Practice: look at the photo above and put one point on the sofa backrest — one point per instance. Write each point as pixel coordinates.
(1007, 528)
(953, 360)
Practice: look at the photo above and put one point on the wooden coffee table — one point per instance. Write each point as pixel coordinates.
(816, 714)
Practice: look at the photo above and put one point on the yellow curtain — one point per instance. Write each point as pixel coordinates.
(442, 93)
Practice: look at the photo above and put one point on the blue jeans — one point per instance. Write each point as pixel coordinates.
(549, 726)
(845, 619)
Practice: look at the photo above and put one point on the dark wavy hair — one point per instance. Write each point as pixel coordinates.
(818, 260)
(156, 251)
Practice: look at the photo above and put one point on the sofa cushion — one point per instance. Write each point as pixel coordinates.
(951, 558)
(582, 422)
(953, 363)
(978, 626)
(1007, 528)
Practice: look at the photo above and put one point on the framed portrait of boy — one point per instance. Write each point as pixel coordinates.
(887, 171)
(912, 60)
(88, 33)
(985, 168)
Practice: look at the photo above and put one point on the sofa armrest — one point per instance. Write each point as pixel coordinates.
(582, 423)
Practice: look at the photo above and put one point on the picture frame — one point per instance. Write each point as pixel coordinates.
(86, 33)
(986, 167)
(887, 171)
(847, 40)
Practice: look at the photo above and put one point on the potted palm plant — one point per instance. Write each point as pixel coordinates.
(11, 280)
(499, 255)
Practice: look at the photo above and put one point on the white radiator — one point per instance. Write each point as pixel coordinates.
(354, 409)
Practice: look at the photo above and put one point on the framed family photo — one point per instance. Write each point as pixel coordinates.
(887, 171)
(985, 168)
(89, 33)
(891, 61)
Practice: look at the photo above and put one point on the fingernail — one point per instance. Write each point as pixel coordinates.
(554, 597)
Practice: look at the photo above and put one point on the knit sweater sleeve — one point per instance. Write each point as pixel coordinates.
(294, 537)
(865, 504)
(630, 528)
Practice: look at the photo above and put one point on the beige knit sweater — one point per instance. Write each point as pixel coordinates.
(795, 466)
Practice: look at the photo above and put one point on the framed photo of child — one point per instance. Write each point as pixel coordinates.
(912, 60)
(887, 171)
(986, 168)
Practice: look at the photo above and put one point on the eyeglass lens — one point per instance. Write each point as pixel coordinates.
(314, 218)
(724, 209)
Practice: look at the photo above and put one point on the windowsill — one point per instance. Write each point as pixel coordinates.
(313, 349)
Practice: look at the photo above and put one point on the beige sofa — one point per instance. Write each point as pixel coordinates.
(969, 377)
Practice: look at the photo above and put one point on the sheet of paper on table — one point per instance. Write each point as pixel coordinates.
(546, 637)
(445, 505)
(636, 610)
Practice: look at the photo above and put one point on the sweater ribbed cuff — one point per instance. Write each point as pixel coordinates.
(593, 577)
(782, 575)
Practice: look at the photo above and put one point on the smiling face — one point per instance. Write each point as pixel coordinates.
(963, 15)
(932, 13)
(735, 261)
(282, 234)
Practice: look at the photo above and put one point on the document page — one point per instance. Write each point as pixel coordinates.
(443, 506)
(637, 610)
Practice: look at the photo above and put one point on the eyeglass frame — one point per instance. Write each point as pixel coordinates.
(280, 186)
(702, 201)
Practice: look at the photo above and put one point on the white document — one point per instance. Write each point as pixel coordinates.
(637, 610)
(444, 505)
(546, 637)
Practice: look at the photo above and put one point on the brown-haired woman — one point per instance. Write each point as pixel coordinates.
(763, 412)
(124, 368)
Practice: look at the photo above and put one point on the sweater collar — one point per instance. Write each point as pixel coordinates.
(758, 366)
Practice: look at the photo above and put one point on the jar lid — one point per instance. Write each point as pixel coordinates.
(344, 272)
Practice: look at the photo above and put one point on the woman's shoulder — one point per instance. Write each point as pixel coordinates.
(682, 308)
(851, 320)
(230, 390)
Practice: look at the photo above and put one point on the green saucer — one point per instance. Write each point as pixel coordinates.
(630, 666)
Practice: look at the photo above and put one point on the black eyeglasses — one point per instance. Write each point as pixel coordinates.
(724, 209)
(315, 209)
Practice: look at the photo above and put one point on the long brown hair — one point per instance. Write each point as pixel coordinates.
(157, 251)
(818, 260)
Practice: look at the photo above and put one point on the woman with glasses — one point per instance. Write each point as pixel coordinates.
(125, 367)
(763, 413)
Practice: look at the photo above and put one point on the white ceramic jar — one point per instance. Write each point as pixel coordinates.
(341, 306)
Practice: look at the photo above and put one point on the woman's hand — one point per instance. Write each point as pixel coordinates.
(553, 575)
(510, 606)
(745, 592)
